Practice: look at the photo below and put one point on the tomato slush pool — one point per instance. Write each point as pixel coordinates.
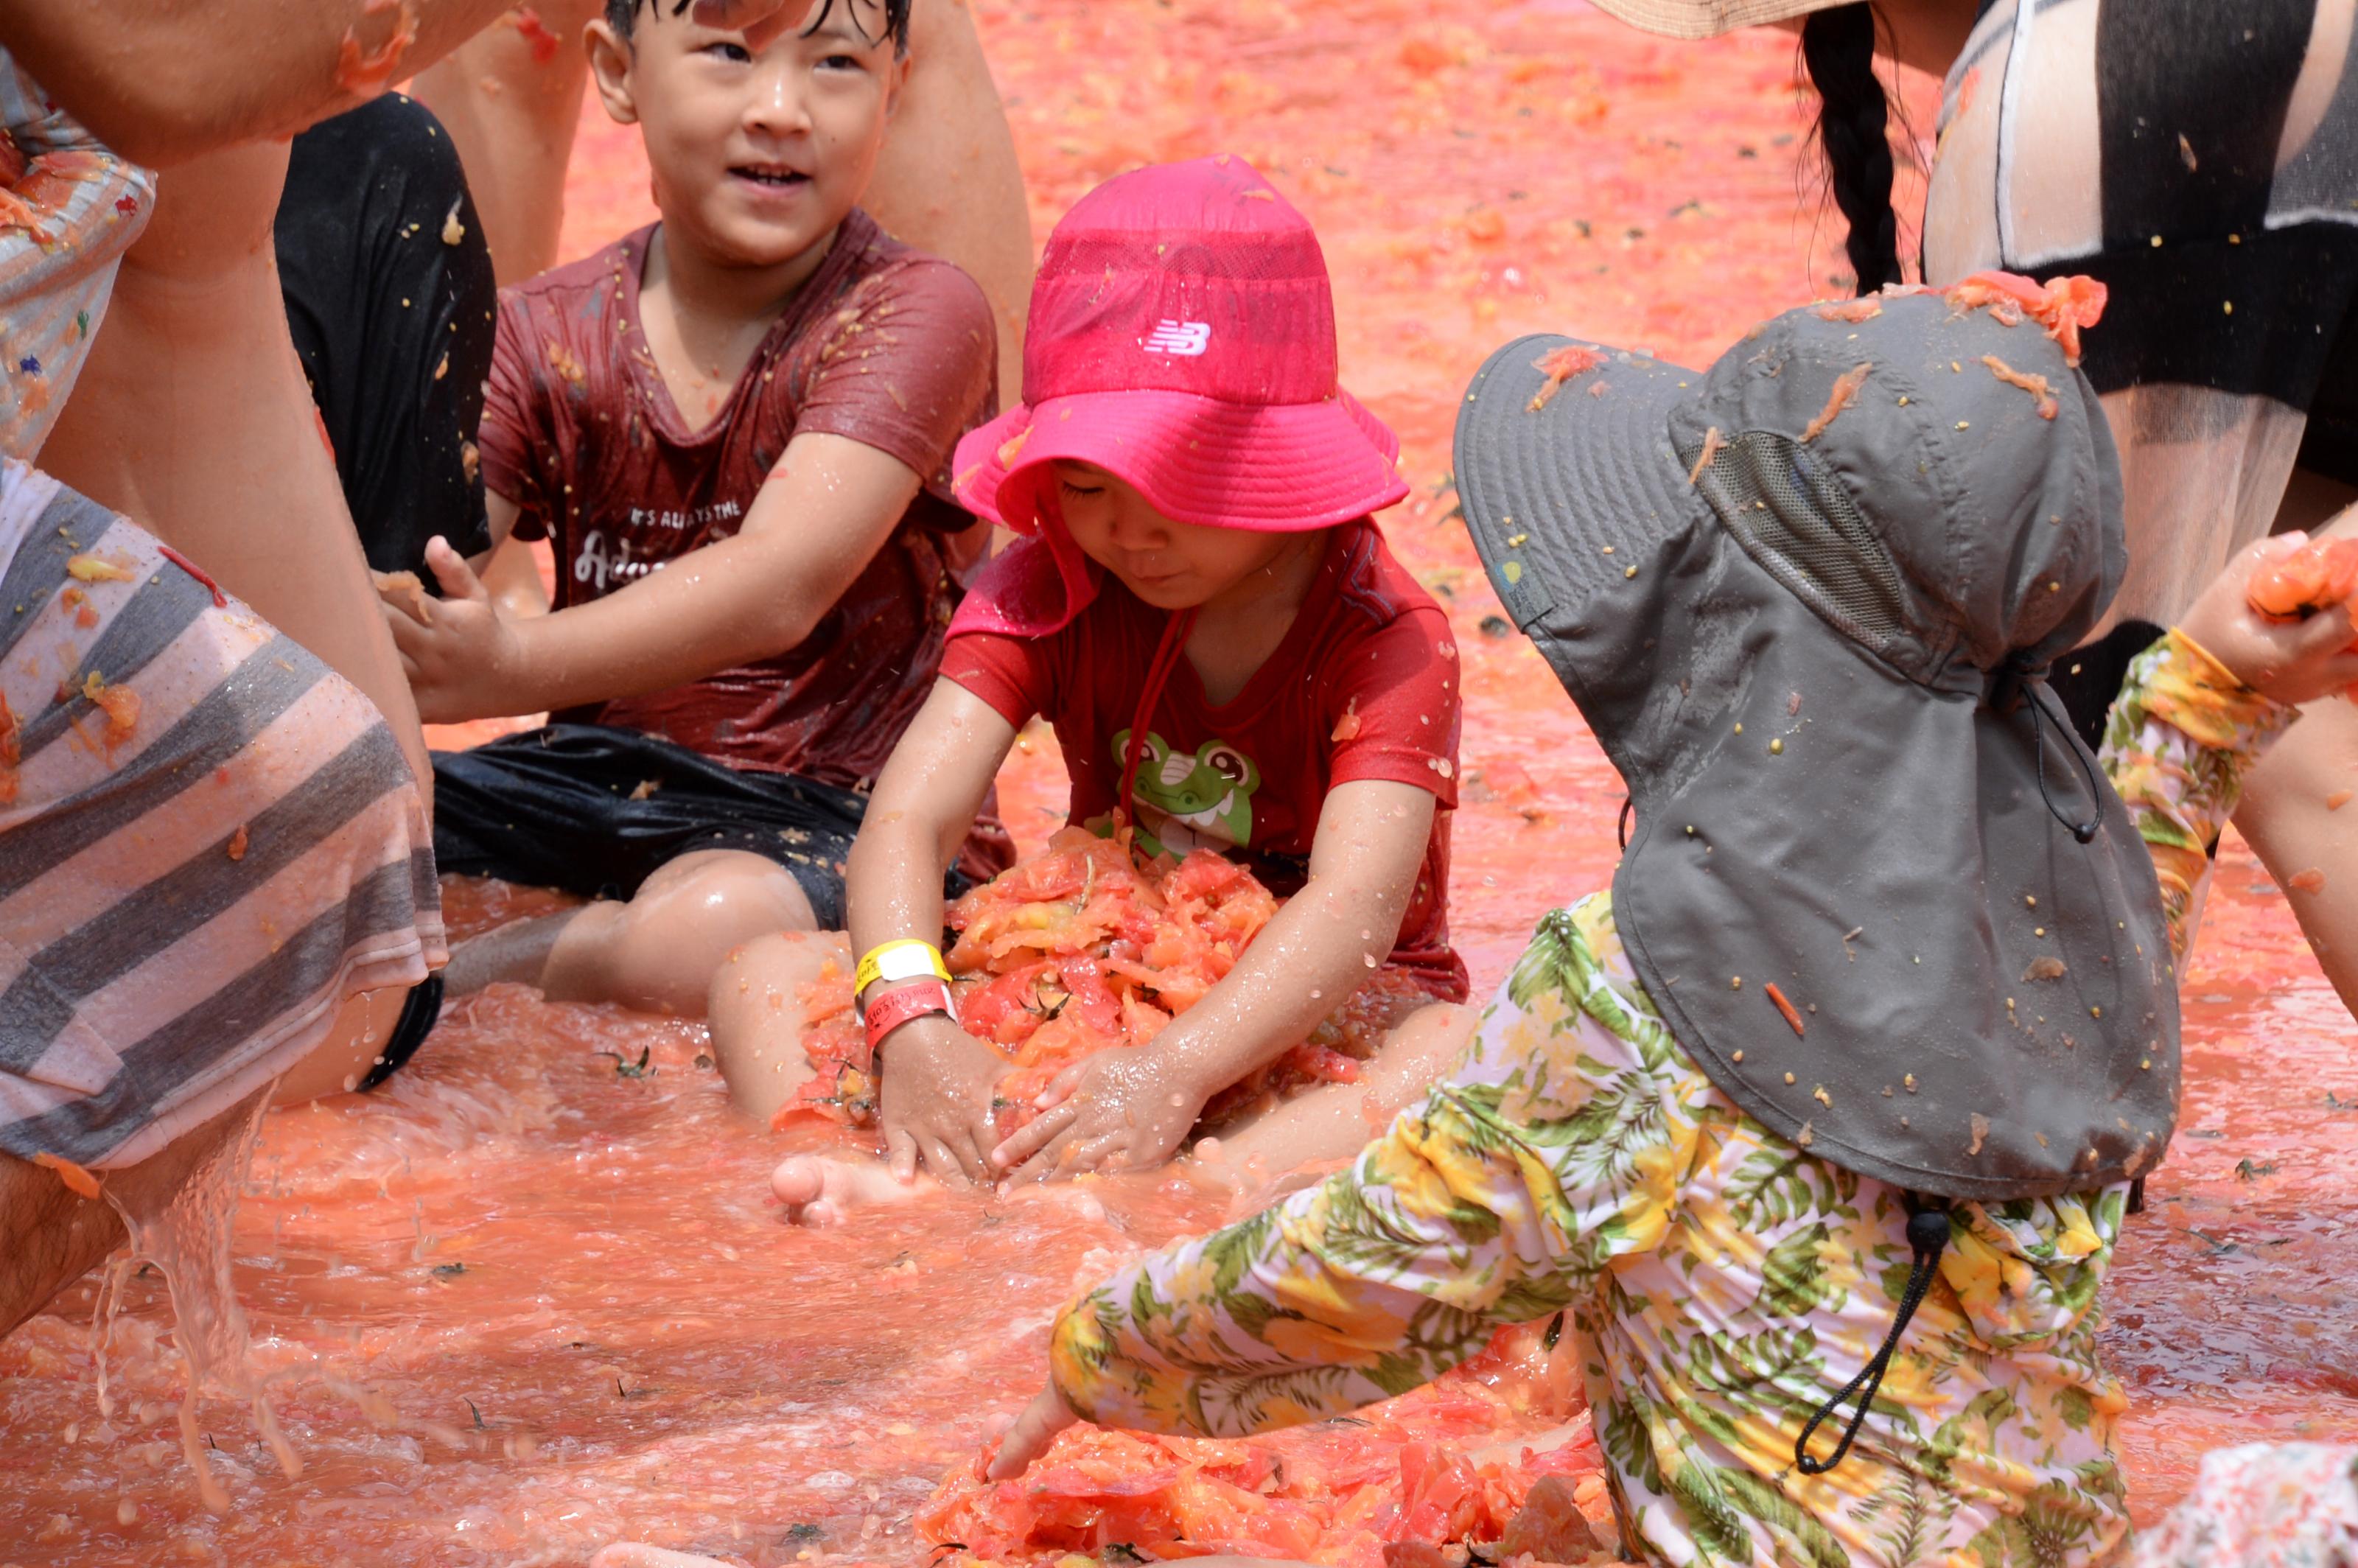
(533, 1296)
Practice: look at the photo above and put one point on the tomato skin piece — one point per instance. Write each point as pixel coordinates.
(1085, 948)
(1097, 1005)
(1396, 1484)
(2314, 576)
(1001, 1011)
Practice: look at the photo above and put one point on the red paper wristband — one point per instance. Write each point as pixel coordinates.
(898, 1006)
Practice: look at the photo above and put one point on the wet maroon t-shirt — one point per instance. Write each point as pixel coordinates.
(885, 346)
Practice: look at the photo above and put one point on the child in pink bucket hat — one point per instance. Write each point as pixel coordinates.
(1204, 608)
(1182, 336)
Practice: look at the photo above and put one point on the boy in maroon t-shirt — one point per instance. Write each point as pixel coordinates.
(734, 427)
(1231, 659)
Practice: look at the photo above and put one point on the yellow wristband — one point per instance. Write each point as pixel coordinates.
(905, 960)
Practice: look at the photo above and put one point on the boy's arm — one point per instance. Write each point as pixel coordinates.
(1132, 1108)
(935, 1099)
(820, 517)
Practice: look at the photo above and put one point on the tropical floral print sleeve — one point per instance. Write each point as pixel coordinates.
(1724, 1282)
(2180, 738)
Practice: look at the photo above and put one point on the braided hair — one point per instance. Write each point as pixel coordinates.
(1853, 121)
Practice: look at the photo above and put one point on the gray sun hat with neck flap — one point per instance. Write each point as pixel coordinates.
(1815, 649)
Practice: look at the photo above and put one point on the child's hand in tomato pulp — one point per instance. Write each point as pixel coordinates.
(1120, 1109)
(2292, 661)
(935, 1083)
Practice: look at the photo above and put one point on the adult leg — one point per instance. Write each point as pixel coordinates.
(510, 99)
(2299, 815)
(948, 182)
(192, 418)
(354, 1044)
(390, 301)
(51, 1235)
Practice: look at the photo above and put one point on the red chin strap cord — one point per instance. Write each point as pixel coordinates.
(1176, 629)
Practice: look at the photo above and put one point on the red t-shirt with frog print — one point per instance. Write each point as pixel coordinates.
(1365, 686)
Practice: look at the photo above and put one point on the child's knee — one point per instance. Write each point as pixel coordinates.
(661, 949)
(716, 900)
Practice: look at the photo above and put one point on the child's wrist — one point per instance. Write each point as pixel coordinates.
(516, 669)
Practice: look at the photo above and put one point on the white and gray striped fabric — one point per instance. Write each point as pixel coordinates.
(186, 901)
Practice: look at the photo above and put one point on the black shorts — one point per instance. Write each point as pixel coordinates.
(389, 297)
(595, 811)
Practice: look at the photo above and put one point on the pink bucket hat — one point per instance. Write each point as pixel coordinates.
(1181, 337)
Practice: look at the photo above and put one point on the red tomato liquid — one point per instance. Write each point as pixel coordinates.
(561, 1307)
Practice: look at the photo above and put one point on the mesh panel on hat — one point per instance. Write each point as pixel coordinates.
(1802, 527)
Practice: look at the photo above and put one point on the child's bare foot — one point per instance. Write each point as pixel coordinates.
(819, 1191)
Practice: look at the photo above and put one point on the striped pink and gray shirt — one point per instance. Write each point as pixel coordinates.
(207, 840)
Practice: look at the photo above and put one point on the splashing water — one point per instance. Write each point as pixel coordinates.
(184, 1233)
(564, 1294)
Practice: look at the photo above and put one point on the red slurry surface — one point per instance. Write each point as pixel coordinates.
(567, 1282)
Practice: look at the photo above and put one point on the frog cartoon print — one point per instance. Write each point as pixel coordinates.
(1192, 799)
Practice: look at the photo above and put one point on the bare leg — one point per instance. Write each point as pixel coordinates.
(345, 1057)
(513, 115)
(948, 182)
(756, 1010)
(2289, 815)
(192, 418)
(1318, 1129)
(755, 1006)
(49, 1236)
(516, 953)
(631, 1554)
(658, 953)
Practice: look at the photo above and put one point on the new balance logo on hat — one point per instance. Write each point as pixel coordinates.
(1187, 339)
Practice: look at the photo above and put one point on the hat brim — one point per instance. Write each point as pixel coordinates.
(1590, 454)
(1693, 20)
(1807, 814)
(1285, 468)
